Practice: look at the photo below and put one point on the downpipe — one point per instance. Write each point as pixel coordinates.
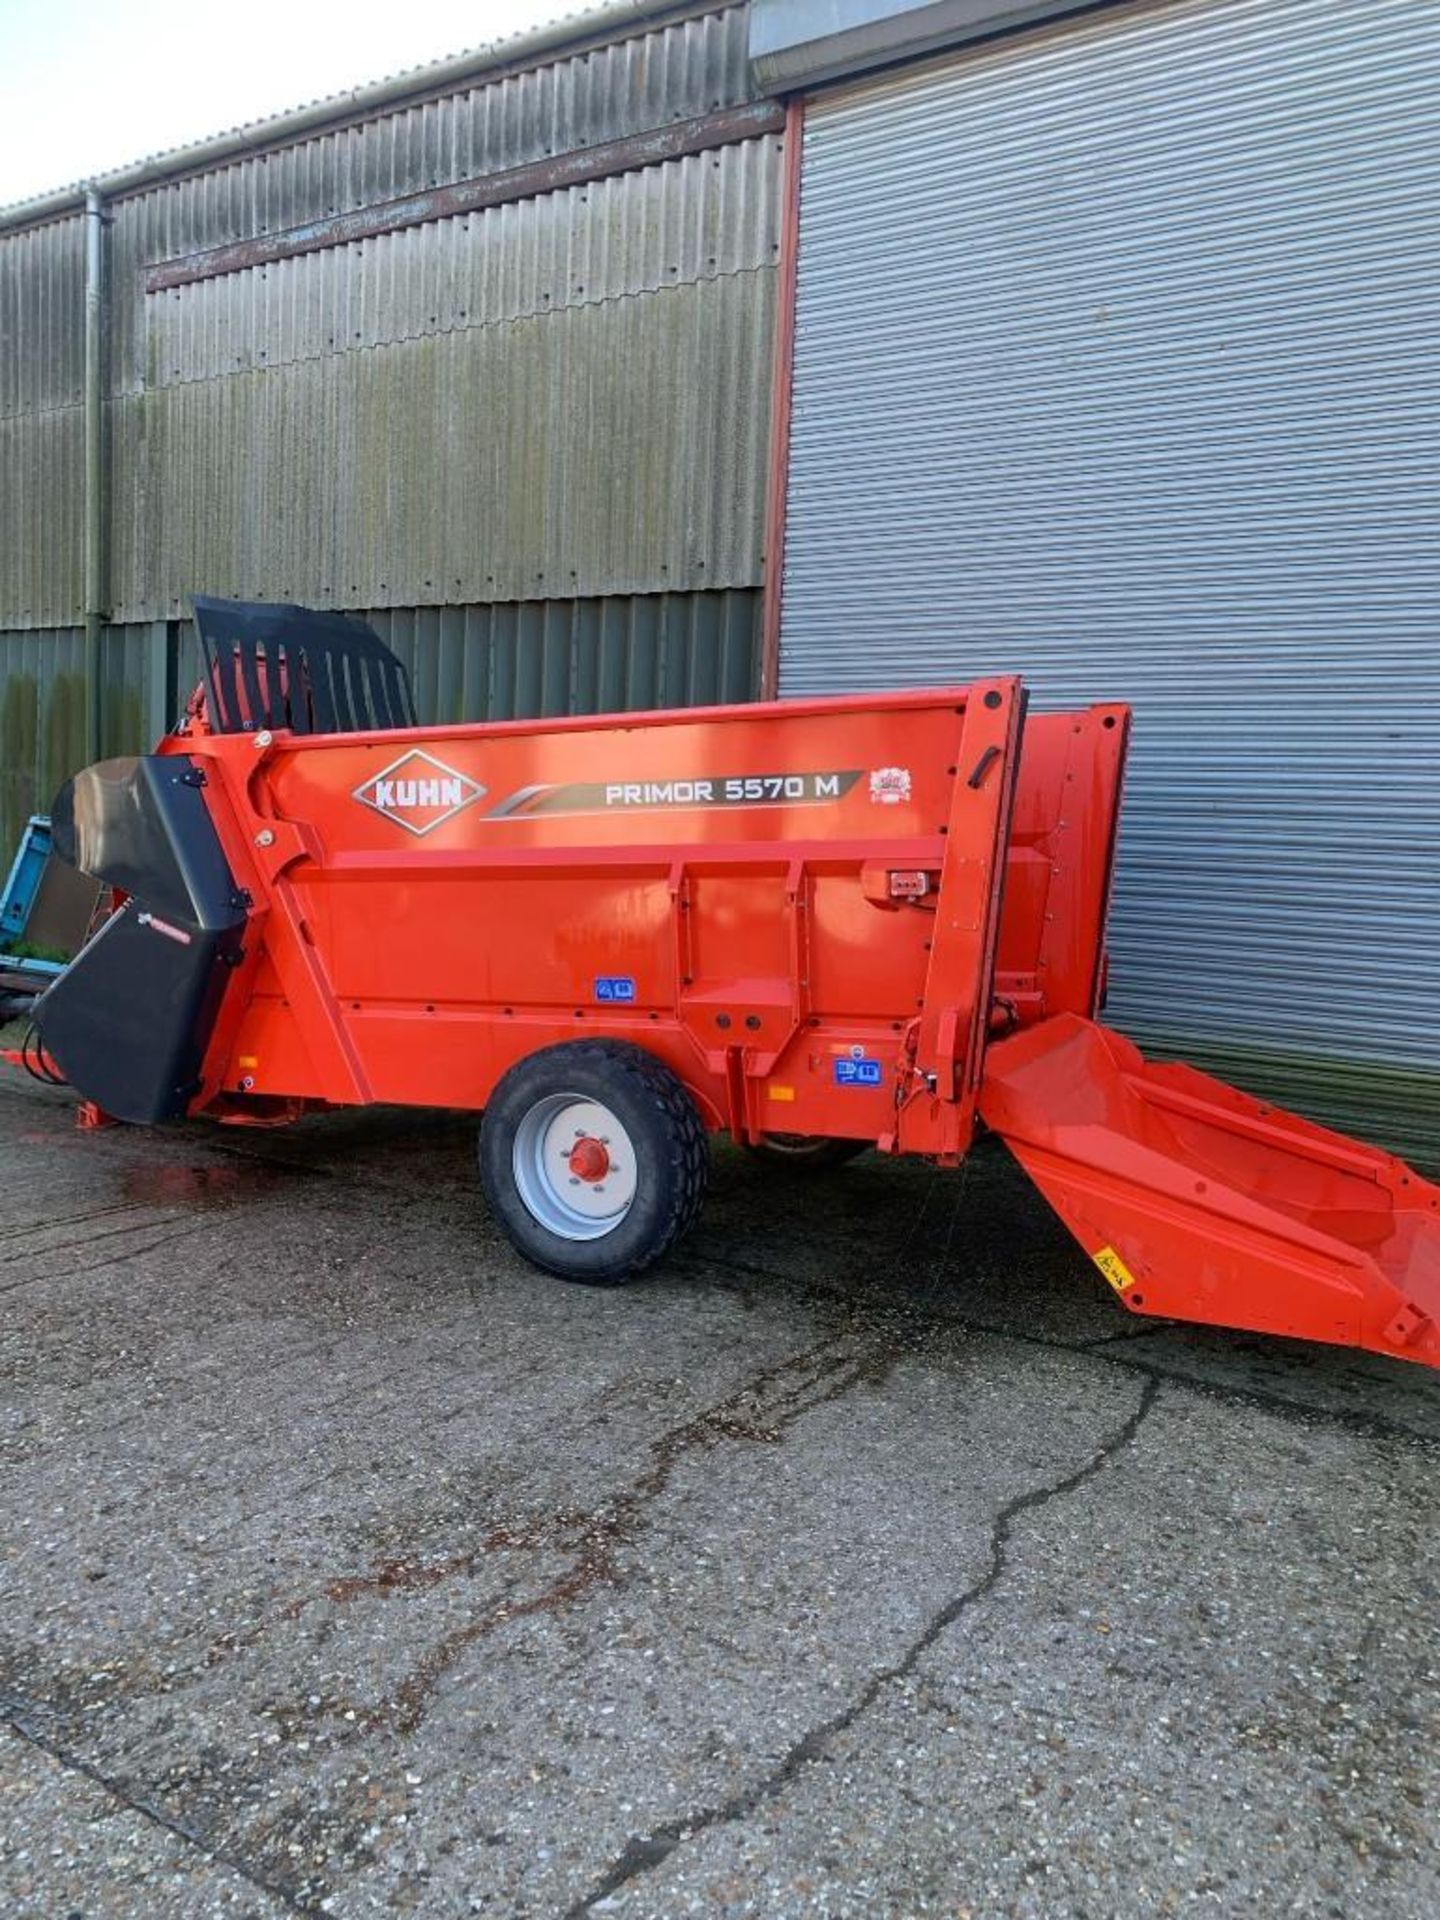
(97, 465)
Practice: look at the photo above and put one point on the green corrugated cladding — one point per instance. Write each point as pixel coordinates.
(42, 709)
(42, 722)
(603, 655)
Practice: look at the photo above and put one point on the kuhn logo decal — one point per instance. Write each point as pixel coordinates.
(419, 792)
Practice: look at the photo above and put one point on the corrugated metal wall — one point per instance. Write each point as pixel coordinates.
(514, 662)
(1116, 364)
(42, 424)
(668, 72)
(42, 722)
(566, 394)
(42, 708)
(505, 424)
(532, 437)
(515, 328)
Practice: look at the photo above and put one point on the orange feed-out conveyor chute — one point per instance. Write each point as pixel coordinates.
(1200, 1203)
(818, 925)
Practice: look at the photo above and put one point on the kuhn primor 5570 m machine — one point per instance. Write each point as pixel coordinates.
(875, 920)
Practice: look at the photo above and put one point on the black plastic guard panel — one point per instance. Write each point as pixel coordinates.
(130, 1018)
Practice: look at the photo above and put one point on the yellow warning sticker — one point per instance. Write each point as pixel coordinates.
(1114, 1269)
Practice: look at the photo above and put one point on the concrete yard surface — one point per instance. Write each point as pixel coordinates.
(864, 1560)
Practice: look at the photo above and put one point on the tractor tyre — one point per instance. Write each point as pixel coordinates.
(593, 1159)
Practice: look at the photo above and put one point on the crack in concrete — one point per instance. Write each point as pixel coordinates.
(823, 1377)
(642, 1854)
(804, 1381)
(156, 1816)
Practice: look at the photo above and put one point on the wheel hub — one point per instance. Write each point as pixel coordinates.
(589, 1159)
(575, 1166)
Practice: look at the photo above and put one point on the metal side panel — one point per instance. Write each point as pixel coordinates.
(1115, 366)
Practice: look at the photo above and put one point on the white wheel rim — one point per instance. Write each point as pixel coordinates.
(574, 1166)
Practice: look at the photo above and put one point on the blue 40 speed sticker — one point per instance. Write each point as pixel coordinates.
(614, 986)
(857, 1071)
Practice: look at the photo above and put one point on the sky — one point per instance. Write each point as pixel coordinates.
(89, 85)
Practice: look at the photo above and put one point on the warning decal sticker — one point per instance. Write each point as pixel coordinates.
(1114, 1269)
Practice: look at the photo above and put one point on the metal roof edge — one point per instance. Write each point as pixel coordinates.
(436, 76)
(798, 44)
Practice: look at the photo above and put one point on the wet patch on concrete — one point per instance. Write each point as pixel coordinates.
(219, 1183)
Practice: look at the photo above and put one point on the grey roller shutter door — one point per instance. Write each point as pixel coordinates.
(1116, 364)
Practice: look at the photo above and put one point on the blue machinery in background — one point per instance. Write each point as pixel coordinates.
(19, 897)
